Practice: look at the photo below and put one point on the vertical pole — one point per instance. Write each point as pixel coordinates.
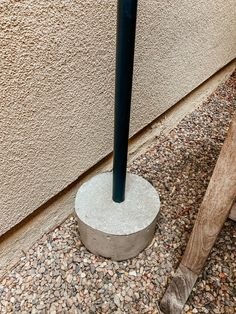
(126, 26)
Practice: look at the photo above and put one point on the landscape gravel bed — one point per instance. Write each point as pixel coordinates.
(58, 275)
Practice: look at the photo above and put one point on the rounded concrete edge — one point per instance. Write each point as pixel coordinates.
(118, 231)
(116, 247)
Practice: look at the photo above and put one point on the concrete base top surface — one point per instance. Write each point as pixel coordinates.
(95, 207)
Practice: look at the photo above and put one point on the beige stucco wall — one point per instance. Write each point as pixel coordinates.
(57, 83)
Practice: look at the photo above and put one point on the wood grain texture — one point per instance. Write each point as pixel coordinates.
(178, 291)
(216, 205)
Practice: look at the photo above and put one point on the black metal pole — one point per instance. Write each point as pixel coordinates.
(126, 25)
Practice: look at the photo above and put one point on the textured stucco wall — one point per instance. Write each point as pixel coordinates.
(57, 83)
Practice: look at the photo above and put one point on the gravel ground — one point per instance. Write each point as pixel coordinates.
(58, 275)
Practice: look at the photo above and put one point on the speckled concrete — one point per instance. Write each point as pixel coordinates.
(116, 230)
(94, 205)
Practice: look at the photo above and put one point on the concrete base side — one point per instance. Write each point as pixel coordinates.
(116, 230)
(117, 248)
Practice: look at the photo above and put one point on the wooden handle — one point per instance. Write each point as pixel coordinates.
(216, 205)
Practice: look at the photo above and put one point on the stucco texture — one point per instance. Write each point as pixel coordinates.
(57, 63)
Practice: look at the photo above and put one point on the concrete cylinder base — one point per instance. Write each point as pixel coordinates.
(116, 230)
